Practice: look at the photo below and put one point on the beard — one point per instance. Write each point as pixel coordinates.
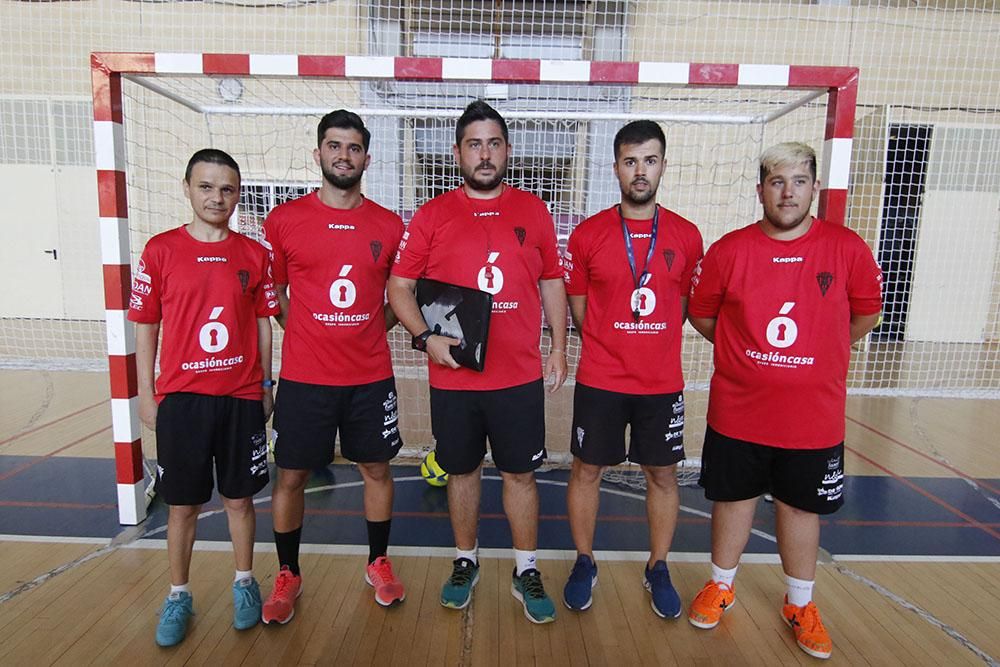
(484, 185)
(638, 198)
(345, 182)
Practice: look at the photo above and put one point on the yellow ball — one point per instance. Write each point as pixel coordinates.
(432, 473)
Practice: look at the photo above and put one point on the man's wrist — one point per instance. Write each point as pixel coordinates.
(267, 384)
(419, 342)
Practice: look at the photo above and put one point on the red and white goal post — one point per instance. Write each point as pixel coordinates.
(152, 110)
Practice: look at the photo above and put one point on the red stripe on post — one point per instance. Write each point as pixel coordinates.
(840, 112)
(610, 72)
(112, 200)
(833, 206)
(809, 76)
(124, 383)
(225, 63)
(128, 462)
(517, 70)
(117, 286)
(330, 66)
(418, 68)
(107, 95)
(712, 74)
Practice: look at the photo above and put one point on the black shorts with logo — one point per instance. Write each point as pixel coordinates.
(513, 419)
(195, 431)
(599, 421)
(811, 480)
(308, 418)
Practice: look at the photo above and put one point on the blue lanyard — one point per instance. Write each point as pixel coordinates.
(644, 276)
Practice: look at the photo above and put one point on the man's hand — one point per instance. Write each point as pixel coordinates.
(147, 410)
(555, 370)
(439, 350)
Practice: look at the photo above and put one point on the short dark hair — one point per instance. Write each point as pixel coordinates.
(476, 111)
(212, 156)
(639, 132)
(344, 120)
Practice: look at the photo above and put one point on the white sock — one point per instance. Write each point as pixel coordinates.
(183, 588)
(800, 591)
(524, 560)
(243, 574)
(471, 555)
(721, 576)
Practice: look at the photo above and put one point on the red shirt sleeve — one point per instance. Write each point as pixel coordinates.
(695, 251)
(864, 282)
(577, 274)
(144, 301)
(707, 288)
(551, 260)
(414, 247)
(267, 298)
(272, 241)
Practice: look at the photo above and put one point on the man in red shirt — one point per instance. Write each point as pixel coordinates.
(783, 300)
(489, 236)
(628, 272)
(333, 249)
(211, 290)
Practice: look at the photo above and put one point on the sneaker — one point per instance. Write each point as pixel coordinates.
(528, 589)
(246, 603)
(457, 591)
(810, 634)
(710, 603)
(577, 593)
(177, 610)
(280, 607)
(388, 590)
(664, 598)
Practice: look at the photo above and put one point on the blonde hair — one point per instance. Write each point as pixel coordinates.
(789, 153)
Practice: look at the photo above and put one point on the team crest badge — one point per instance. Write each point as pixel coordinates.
(244, 277)
(520, 233)
(824, 279)
(376, 247)
(668, 257)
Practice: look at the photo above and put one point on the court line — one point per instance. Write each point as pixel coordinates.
(910, 448)
(44, 457)
(20, 435)
(924, 492)
(58, 505)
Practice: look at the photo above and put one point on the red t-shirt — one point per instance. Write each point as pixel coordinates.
(620, 354)
(208, 296)
(782, 337)
(336, 264)
(504, 246)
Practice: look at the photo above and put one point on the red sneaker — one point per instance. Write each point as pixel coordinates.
(810, 634)
(280, 607)
(388, 589)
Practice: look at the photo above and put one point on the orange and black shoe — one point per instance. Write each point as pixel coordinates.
(810, 634)
(710, 603)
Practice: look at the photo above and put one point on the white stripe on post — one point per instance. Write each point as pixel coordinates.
(370, 66)
(177, 63)
(132, 503)
(763, 75)
(664, 72)
(121, 334)
(473, 69)
(836, 169)
(565, 70)
(109, 145)
(125, 419)
(274, 65)
(114, 241)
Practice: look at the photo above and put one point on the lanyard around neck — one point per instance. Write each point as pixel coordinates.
(640, 279)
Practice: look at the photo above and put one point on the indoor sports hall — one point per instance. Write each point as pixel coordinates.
(102, 103)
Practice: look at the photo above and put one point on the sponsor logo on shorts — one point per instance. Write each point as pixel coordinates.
(677, 421)
(389, 404)
(579, 436)
(833, 478)
(678, 406)
(833, 463)
(831, 494)
(538, 455)
(160, 471)
(258, 457)
(673, 435)
(389, 431)
(390, 418)
(677, 448)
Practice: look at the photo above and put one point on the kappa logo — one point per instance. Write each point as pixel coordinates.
(244, 277)
(212, 260)
(668, 257)
(824, 279)
(376, 248)
(520, 234)
(787, 260)
(579, 436)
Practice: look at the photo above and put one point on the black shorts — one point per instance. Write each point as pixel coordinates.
(309, 416)
(811, 480)
(513, 419)
(600, 418)
(193, 431)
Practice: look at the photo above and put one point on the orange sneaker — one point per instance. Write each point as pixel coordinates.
(810, 634)
(388, 589)
(280, 607)
(710, 603)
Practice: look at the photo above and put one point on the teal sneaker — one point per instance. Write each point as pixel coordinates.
(528, 589)
(246, 603)
(457, 591)
(177, 610)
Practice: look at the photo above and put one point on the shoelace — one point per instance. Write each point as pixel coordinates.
(173, 610)
(580, 572)
(383, 571)
(281, 583)
(461, 574)
(809, 619)
(246, 595)
(718, 595)
(532, 585)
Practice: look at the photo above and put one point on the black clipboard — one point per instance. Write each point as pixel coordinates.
(457, 312)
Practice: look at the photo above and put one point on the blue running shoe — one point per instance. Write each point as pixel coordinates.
(528, 589)
(177, 610)
(666, 602)
(246, 603)
(457, 591)
(577, 593)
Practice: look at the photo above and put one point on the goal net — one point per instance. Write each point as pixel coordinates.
(562, 116)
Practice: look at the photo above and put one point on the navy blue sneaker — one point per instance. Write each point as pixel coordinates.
(666, 602)
(577, 593)
(174, 617)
